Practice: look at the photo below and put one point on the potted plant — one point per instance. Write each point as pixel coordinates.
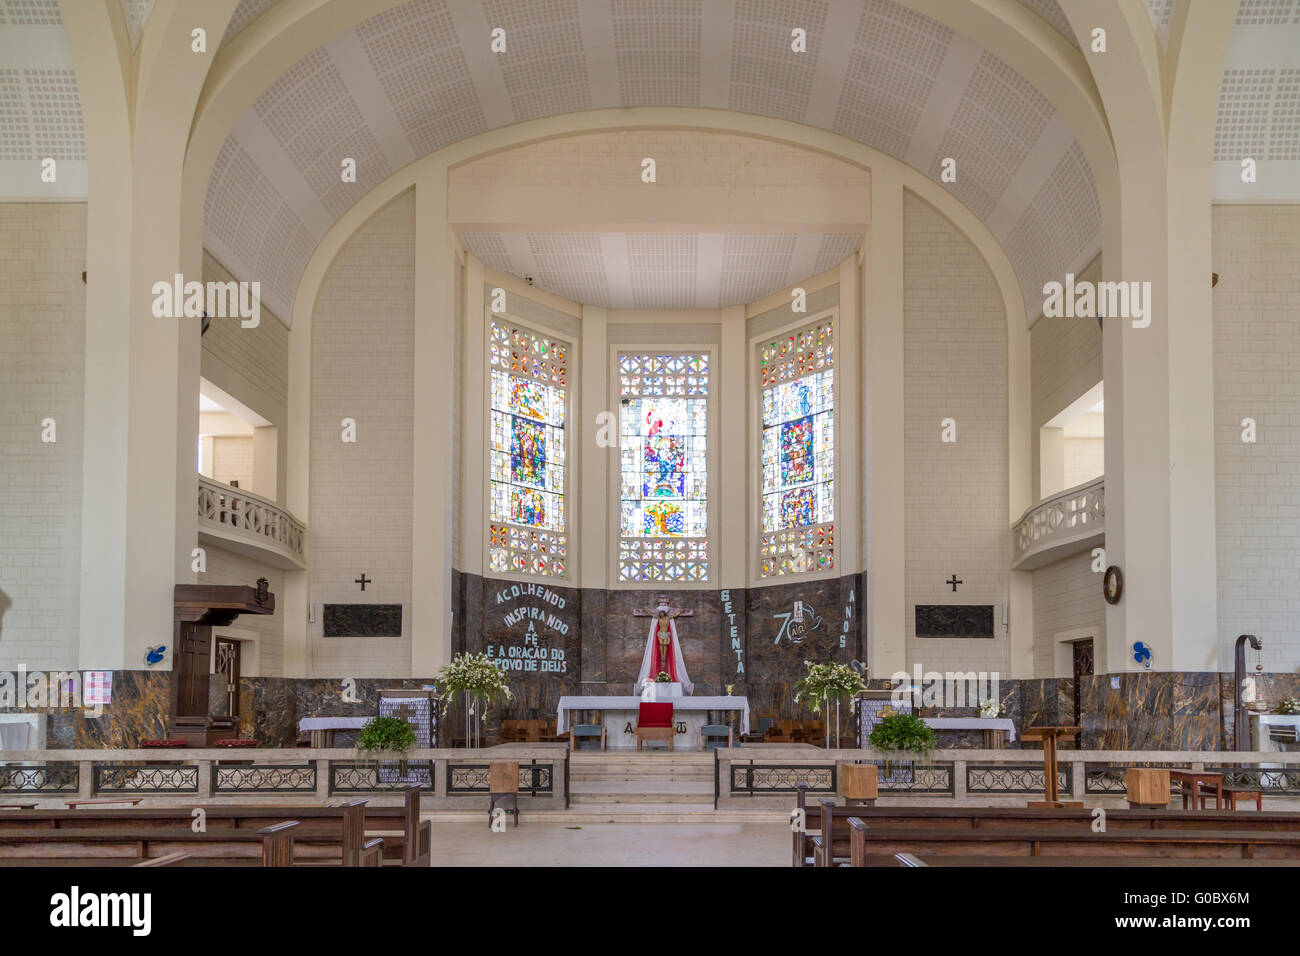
(387, 737)
(901, 734)
(823, 683)
(663, 677)
(479, 681)
(992, 708)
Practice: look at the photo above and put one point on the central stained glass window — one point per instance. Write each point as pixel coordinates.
(526, 521)
(663, 436)
(797, 378)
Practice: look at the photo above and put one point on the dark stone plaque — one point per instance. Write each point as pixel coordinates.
(954, 620)
(363, 620)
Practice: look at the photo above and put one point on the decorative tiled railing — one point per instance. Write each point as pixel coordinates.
(978, 776)
(1059, 524)
(202, 773)
(239, 517)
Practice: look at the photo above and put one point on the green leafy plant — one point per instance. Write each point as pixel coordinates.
(390, 734)
(663, 677)
(823, 683)
(902, 733)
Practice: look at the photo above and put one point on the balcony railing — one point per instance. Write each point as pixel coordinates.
(250, 524)
(1064, 524)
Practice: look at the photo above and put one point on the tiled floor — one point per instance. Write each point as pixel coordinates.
(612, 844)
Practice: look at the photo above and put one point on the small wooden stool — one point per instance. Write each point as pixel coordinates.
(1147, 788)
(503, 786)
(859, 784)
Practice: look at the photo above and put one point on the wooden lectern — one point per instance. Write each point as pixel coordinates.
(199, 608)
(1049, 736)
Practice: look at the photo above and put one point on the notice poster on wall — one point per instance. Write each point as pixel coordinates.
(98, 688)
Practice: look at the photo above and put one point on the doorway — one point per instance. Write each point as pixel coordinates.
(227, 669)
(1082, 655)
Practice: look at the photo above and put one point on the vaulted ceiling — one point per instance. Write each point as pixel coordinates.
(420, 76)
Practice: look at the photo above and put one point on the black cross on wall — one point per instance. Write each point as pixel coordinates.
(363, 580)
(954, 582)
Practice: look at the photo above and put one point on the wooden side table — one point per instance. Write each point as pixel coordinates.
(1146, 788)
(1049, 737)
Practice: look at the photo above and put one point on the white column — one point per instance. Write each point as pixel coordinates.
(434, 452)
(731, 554)
(883, 418)
(473, 430)
(595, 463)
(848, 411)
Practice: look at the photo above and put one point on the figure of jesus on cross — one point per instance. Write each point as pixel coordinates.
(663, 654)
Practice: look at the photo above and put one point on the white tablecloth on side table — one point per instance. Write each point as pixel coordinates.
(332, 723)
(974, 723)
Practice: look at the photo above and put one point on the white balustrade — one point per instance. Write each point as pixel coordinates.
(1067, 521)
(237, 517)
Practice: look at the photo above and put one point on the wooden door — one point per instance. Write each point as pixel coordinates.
(227, 666)
(1082, 668)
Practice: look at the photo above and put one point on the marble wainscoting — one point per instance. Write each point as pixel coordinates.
(140, 703)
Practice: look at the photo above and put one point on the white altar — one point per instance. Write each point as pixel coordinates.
(973, 723)
(619, 716)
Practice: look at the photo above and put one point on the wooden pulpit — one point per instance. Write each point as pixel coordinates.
(199, 608)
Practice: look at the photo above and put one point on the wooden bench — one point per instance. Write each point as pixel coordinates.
(948, 842)
(998, 818)
(325, 834)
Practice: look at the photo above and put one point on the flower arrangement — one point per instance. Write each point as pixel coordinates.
(1290, 705)
(479, 681)
(992, 708)
(475, 677)
(663, 677)
(826, 682)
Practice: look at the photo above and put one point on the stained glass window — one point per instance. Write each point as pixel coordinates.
(797, 378)
(663, 436)
(526, 522)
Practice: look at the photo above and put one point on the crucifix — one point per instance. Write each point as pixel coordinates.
(954, 582)
(363, 580)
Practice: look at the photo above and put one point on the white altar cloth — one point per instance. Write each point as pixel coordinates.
(973, 723)
(332, 723)
(632, 704)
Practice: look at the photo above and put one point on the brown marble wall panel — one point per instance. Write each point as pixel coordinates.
(140, 702)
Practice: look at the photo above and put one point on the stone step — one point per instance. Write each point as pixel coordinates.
(667, 789)
(591, 814)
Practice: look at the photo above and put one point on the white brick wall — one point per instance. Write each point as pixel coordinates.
(1065, 361)
(42, 345)
(1067, 597)
(1257, 375)
(363, 368)
(232, 460)
(226, 567)
(954, 352)
(250, 364)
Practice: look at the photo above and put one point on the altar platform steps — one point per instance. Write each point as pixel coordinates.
(590, 814)
(646, 783)
(647, 791)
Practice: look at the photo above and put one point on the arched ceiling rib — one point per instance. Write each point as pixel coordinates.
(420, 76)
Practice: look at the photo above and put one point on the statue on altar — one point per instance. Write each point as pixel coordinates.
(663, 653)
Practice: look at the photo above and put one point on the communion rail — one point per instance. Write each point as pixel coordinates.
(449, 778)
(979, 776)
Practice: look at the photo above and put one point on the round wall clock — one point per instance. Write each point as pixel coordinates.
(1112, 585)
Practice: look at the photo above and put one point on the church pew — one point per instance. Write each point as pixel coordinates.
(1023, 817)
(1014, 842)
(407, 840)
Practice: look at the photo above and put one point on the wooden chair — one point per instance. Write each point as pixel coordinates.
(579, 732)
(503, 787)
(717, 732)
(511, 732)
(654, 722)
